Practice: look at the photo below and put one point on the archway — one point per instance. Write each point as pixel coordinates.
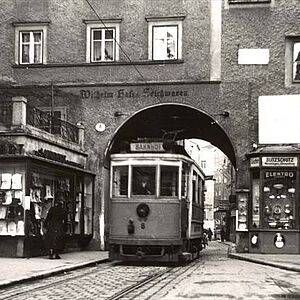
(183, 120)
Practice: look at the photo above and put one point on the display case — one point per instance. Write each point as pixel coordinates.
(12, 200)
(242, 210)
(274, 208)
(279, 190)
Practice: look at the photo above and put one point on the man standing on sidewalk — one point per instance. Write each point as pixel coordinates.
(56, 225)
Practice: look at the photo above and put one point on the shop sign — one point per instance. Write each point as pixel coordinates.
(279, 161)
(254, 162)
(11, 148)
(133, 93)
(147, 147)
(56, 157)
(280, 174)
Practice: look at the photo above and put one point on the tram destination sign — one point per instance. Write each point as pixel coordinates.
(279, 161)
(147, 147)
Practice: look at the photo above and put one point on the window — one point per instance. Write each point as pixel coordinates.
(30, 41)
(143, 180)
(184, 181)
(169, 181)
(54, 124)
(165, 38)
(296, 61)
(255, 200)
(102, 41)
(279, 199)
(120, 181)
(203, 164)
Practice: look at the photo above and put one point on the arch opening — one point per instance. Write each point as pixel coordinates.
(177, 120)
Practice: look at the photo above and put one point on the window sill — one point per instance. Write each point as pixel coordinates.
(249, 1)
(98, 64)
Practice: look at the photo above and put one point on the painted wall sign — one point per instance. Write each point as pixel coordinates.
(280, 174)
(279, 161)
(124, 93)
(56, 157)
(11, 148)
(254, 162)
(147, 147)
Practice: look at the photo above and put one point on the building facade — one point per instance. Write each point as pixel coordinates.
(260, 56)
(132, 69)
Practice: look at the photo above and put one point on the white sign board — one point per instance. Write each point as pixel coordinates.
(278, 119)
(253, 56)
(147, 147)
(279, 161)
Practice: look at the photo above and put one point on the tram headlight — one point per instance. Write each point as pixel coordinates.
(143, 210)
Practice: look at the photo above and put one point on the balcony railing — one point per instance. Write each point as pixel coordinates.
(5, 112)
(44, 121)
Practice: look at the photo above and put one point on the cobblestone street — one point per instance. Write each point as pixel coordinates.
(212, 276)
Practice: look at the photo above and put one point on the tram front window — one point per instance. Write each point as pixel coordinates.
(169, 181)
(143, 180)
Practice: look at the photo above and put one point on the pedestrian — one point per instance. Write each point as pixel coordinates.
(209, 234)
(205, 240)
(56, 225)
(222, 233)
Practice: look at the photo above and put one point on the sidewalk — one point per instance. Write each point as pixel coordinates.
(17, 270)
(289, 262)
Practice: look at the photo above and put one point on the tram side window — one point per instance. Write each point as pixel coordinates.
(143, 180)
(200, 190)
(169, 181)
(184, 181)
(195, 190)
(120, 181)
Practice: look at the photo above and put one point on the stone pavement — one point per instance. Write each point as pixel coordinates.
(16, 270)
(289, 262)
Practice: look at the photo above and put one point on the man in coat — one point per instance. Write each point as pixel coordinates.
(56, 225)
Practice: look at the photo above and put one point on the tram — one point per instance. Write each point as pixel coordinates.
(156, 205)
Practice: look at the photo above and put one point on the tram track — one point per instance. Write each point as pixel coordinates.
(49, 281)
(135, 287)
(105, 279)
(141, 289)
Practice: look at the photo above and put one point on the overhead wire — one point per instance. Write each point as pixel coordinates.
(118, 44)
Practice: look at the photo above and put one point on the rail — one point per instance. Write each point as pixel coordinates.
(44, 121)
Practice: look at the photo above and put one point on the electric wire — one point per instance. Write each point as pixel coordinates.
(118, 44)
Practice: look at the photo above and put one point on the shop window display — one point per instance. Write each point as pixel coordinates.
(241, 218)
(88, 205)
(279, 192)
(43, 190)
(11, 202)
(255, 203)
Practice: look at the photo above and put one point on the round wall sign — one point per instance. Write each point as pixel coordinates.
(100, 127)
